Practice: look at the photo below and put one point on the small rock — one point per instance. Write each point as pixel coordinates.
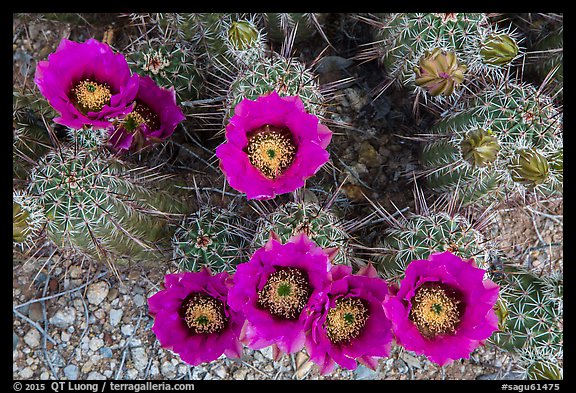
(35, 312)
(115, 316)
(64, 318)
(139, 358)
(15, 341)
(32, 338)
(267, 352)
(45, 375)
(112, 294)
(65, 336)
(75, 272)
(95, 344)
(139, 300)
(363, 372)
(26, 373)
(127, 329)
(220, 371)
(368, 155)
(97, 292)
(96, 375)
(106, 352)
(168, 370)
(240, 374)
(71, 371)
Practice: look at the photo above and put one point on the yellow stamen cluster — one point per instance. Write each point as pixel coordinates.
(148, 116)
(345, 321)
(91, 96)
(204, 314)
(285, 293)
(271, 150)
(435, 311)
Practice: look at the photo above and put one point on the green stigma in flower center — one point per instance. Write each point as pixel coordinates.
(140, 115)
(203, 313)
(271, 150)
(90, 96)
(346, 319)
(285, 293)
(436, 309)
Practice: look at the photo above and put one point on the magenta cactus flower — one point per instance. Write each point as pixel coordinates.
(272, 146)
(443, 308)
(192, 318)
(348, 325)
(275, 289)
(86, 83)
(154, 118)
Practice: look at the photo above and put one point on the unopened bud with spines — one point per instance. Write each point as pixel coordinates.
(480, 147)
(529, 168)
(439, 72)
(498, 49)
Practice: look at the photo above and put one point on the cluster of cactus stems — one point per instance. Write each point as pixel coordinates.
(530, 312)
(506, 141)
(98, 205)
(443, 226)
(503, 139)
(439, 54)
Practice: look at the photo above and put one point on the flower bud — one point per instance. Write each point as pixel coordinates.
(529, 168)
(479, 148)
(439, 72)
(20, 227)
(243, 35)
(498, 49)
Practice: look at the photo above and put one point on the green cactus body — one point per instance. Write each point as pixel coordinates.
(212, 237)
(416, 236)
(173, 67)
(287, 77)
(404, 38)
(530, 320)
(320, 225)
(30, 137)
(100, 206)
(476, 149)
(28, 219)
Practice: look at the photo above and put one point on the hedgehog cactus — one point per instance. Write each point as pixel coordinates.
(212, 237)
(28, 219)
(438, 228)
(412, 41)
(507, 140)
(101, 207)
(288, 77)
(319, 224)
(244, 40)
(530, 312)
